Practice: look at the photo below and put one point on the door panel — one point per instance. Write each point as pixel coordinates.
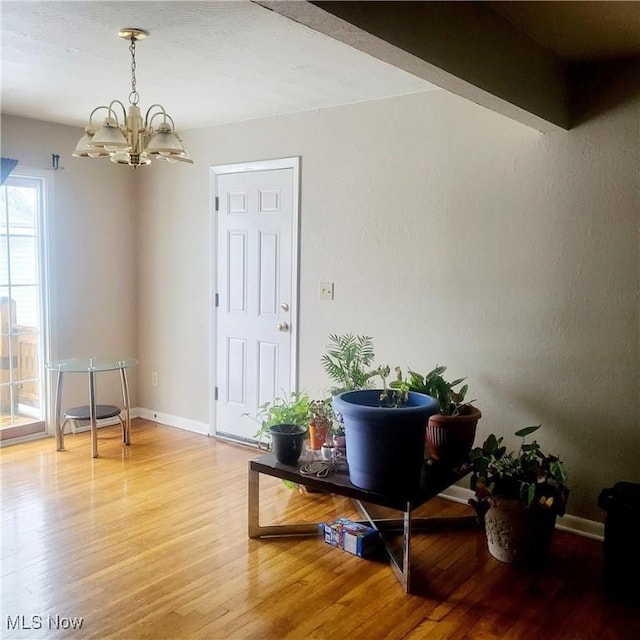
(236, 356)
(255, 283)
(267, 372)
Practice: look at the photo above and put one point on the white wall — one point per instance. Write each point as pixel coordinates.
(454, 236)
(92, 252)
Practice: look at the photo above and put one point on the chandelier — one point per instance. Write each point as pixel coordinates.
(132, 140)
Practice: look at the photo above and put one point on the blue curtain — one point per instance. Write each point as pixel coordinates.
(7, 167)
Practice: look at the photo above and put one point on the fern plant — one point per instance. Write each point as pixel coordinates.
(348, 362)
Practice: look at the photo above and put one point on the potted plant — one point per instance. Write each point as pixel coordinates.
(384, 430)
(320, 421)
(519, 495)
(284, 422)
(348, 362)
(339, 438)
(452, 430)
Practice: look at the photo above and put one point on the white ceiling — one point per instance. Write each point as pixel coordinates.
(208, 63)
(215, 62)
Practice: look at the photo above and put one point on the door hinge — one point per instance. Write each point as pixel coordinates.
(217, 299)
(216, 203)
(215, 393)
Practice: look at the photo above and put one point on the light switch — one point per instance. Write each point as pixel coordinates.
(326, 291)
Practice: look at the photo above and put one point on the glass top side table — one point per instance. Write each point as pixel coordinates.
(91, 366)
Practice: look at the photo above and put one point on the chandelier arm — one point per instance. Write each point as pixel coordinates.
(103, 106)
(124, 112)
(148, 120)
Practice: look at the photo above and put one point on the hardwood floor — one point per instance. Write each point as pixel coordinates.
(150, 541)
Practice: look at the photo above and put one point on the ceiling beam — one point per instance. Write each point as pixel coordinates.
(463, 47)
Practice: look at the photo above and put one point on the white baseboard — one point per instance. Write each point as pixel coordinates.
(581, 526)
(173, 421)
(573, 524)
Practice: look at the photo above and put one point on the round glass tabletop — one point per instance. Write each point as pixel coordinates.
(79, 365)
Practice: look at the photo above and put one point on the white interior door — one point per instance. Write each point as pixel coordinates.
(255, 310)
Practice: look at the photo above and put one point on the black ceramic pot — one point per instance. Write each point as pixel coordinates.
(287, 442)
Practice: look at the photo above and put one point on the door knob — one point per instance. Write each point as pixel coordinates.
(282, 326)
(284, 306)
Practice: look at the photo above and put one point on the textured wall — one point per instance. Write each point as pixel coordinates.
(454, 236)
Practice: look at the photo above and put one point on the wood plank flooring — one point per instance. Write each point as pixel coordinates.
(150, 541)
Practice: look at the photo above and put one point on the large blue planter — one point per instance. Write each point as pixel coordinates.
(385, 445)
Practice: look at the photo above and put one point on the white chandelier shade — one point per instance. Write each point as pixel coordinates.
(109, 136)
(84, 148)
(131, 139)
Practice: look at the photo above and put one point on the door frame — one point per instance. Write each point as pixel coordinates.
(47, 292)
(247, 167)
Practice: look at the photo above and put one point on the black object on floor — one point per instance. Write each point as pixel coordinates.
(622, 539)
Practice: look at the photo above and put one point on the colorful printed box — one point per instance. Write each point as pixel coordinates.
(353, 537)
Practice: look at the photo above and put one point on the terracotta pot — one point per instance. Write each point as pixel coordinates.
(317, 436)
(450, 438)
(516, 534)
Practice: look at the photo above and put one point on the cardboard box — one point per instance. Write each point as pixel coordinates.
(353, 537)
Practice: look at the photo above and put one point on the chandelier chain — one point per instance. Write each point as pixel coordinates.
(134, 97)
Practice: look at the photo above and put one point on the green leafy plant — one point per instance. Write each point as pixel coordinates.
(293, 409)
(434, 385)
(535, 478)
(395, 393)
(321, 414)
(348, 362)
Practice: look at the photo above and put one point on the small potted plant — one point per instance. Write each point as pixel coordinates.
(284, 422)
(320, 421)
(452, 430)
(519, 495)
(339, 439)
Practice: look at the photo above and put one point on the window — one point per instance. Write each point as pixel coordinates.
(22, 307)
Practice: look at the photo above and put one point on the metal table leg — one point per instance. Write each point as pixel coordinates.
(59, 425)
(401, 565)
(256, 530)
(92, 413)
(126, 428)
(254, 504)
